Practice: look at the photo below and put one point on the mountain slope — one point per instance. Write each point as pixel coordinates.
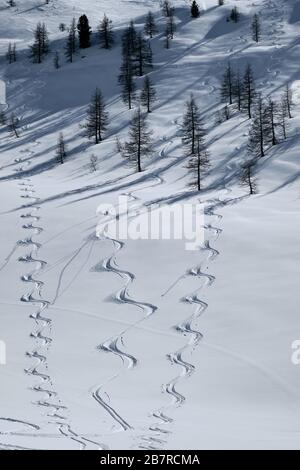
(143, 344)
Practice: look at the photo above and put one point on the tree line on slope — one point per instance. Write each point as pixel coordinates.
(81, 32)
(268, 118)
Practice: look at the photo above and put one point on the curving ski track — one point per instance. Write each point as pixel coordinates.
(122, 296)
(187, 328)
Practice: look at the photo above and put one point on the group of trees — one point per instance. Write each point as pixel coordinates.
(234, 15)
(268, 128)
(136, 61)
(238, 91)
(255, 23)
(79, 36)
(40, 47)
(269, 123)
(268, 117)
(80, 33)
(139, 143)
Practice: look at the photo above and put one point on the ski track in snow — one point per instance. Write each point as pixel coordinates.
(122, 296)
(155, 442)
(159, 430)
(187, 328)
(56, 411)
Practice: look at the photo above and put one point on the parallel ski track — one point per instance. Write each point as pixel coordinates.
(187, 328)
(116, 344)
(41, 335)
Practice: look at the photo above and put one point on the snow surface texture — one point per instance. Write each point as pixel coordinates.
(143, 344)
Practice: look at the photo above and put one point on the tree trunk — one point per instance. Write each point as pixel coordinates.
(199, 172)
(139, 146)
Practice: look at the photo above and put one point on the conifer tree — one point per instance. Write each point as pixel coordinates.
(191, 125)
(105, 32)
(282, 118)
(150, 25)
(166, 7)
(3, 118)
(61, 150)
(256, 28)
(148, 94)
(237, 90)
(260, 132)
(234, 15)
(93, 163)
(193, 137)
(248, 91)
(199, 162)
(288, 100)
(40, 46)
(11, 54)
(129, 41)
(71, 42)
(84, 32)
(13, 125)
(126, 79)
(171, 23)
(227, 87)
(140, 142)
(167, 36)
(97, 118)
(143, 55)
(14, 52)
(195, 13)
(271, 118)
(45, 40)
(247, 177)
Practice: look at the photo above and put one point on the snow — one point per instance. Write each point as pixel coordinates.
(295, 16)
(146, 344)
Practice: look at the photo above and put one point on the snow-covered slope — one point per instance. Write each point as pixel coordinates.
(143, 344)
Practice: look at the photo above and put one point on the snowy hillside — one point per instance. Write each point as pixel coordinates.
(142, 344)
